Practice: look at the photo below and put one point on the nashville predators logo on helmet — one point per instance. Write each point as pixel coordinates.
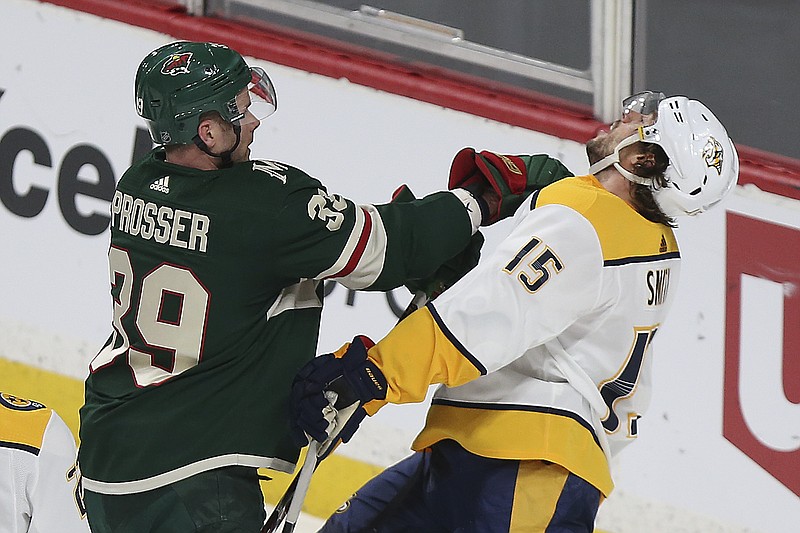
(712, 154)
(176, 64)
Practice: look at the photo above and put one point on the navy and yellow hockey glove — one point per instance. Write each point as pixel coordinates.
(511, 177)
(351, 376)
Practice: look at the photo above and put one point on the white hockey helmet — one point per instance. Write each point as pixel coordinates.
(703, 163)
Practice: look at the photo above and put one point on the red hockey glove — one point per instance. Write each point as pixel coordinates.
(510, 177)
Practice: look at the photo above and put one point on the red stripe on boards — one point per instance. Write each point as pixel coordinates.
(770, 172)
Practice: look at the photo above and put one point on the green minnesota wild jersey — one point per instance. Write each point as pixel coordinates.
(215, 280)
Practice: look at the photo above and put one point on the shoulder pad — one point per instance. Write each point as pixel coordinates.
(22, 423)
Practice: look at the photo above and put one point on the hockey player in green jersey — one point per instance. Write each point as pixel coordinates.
(216, 262)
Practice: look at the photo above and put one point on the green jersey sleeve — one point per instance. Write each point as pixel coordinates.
(366, 246)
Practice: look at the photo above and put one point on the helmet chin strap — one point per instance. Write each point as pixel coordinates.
(224, 156)
(613, 159)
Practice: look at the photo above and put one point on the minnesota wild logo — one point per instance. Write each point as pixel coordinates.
(512, 167)
(176, 64)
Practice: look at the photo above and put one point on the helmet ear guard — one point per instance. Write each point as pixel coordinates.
(613, 159)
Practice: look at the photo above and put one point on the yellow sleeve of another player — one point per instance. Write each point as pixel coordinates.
(416, 354)
(22, 423)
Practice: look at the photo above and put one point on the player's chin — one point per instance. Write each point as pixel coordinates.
(243, 155)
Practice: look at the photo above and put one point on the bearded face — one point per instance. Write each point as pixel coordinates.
(599, 147)
(605, 142)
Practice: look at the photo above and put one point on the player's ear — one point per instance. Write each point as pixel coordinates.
(208, 131)
(211, 129)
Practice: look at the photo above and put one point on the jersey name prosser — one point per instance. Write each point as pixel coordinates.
(161, 223)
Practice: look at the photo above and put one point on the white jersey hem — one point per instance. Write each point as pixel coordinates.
(179, 474)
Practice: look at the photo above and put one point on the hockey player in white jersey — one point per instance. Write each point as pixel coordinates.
(544, 349)
(40, 488)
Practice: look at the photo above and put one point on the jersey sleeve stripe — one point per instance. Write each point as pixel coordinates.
(367, 254)
(360, 246)
(449, 335)
(533, 200)
(352, 241)
(19, 446)
(641, 259)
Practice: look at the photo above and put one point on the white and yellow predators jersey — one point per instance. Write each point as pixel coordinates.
(545, 347)
(40, 487)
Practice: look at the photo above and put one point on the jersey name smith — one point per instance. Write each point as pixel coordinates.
(161, 223)
(657, 286)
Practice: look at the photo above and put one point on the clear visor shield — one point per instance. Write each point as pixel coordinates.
(259, 101)
(641, 105)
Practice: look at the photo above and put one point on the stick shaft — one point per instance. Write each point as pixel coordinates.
(282, 508)
(303, 482)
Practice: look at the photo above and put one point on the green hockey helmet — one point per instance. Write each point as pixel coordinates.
(178, 82)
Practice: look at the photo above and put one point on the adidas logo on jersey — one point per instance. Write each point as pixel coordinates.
(161, 185)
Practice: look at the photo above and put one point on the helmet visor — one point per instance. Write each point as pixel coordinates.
(641, 104)
(260, 100)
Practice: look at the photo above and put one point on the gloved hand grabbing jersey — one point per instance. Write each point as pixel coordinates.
(451, 270)
(505, 179)
(355, 379)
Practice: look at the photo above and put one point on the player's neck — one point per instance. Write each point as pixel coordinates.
(616, 184)
(190, 156)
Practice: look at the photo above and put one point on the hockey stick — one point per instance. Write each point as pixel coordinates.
(281, 510)
(303, 481)
(343, 406)
(288, 501)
